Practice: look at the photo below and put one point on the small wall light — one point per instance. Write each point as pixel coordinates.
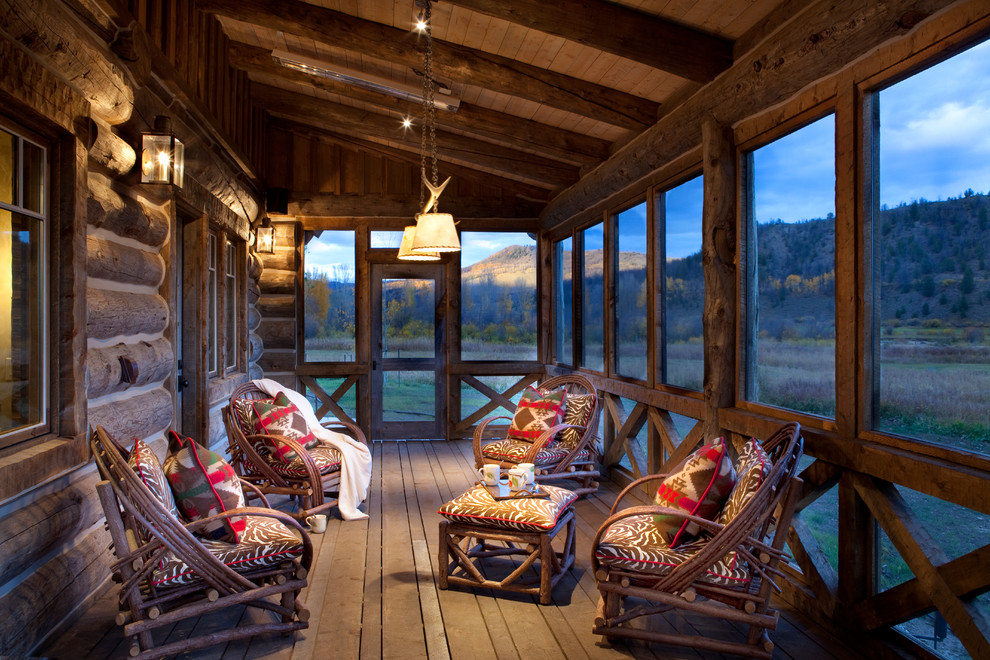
(162, 155)
(264, 237)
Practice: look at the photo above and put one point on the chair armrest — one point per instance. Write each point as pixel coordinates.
(312, 472)
(633, 485)
(353, 429)
(254, 489)
(476, 439)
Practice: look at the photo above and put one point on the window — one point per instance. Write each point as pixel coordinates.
(24, 326)
(231, 290)
(563, 302)
(498, 296)
(790, 352)
(329, 297)
(683, 358)
(212, 314)
(932, 275)
(593, 298)
(631, 293)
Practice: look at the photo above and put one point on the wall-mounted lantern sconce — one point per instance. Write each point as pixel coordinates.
(264, 237)
(162, 155)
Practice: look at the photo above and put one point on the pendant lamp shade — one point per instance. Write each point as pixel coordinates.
(405, 248)
(435, 232)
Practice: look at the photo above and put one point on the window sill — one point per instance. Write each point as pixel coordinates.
(30, 464)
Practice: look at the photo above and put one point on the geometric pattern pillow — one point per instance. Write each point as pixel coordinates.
(576, 412)
(636, 544)
(698, 486)
(536, 413)
(478, 507)
(752, 467)
(204, 485)
(281, 417)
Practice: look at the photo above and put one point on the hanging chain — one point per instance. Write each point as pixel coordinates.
(428, 141)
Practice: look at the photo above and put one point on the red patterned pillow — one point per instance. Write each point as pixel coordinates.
(280, 417)
(204, 485)
(536, 413)
(699, 486)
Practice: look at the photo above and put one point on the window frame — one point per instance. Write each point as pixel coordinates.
(48, 273)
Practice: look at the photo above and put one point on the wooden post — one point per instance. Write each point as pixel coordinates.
(718, 255)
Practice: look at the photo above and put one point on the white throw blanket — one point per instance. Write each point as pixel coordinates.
(355, 464)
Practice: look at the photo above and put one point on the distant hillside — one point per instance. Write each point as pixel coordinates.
(931, 256)
(516, 264)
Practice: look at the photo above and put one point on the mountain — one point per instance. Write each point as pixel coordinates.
(516, 264)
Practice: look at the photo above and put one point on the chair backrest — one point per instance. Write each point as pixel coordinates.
(578, 384)
(142, 515)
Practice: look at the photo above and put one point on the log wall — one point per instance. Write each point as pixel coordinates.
(88, 78)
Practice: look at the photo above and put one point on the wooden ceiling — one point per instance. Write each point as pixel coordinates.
(547, 89)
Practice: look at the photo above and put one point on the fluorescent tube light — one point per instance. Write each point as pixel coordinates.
(315, 67)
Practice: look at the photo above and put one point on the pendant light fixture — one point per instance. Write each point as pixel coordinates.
(434, 231)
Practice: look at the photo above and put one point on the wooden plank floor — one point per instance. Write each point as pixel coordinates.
(373, 593)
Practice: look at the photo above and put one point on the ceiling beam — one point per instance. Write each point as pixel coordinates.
(499, 127)
(634, 35)
(406, 206)
(451, 61)
(335, 117)
(508, 187)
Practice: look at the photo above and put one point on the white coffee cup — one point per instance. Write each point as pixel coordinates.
(517, 479)
(489, 473)
(530, 471)
(317, 523)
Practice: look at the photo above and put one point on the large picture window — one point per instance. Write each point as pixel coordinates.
(931, 222)
(498, 296)
(328, 295)
(593, 298)
(23, 287)
(684, 285)
(791, 314)
(563, 301)
(631, 293)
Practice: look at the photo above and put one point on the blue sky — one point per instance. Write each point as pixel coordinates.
(934, 144)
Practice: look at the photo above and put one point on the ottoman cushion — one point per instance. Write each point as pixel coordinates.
(531, 514)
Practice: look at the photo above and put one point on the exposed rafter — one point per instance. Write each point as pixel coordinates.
(640, 37)
(457, 63)
(499, 127)
(335, 117)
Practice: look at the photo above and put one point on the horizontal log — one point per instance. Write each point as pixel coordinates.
(277, 306)
(124, 216)
(47, 29)
(121, 313)
(111, 151)
(152, 361)
(253, 318)
(37, 527)
(25, 79)
(256, 347)
(121, 263)
(139, 416)
(49, 594)
(277, 281)
(284, 257)
(278, 334)
(277, 361)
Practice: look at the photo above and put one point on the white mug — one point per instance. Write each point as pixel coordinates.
(317, 523)
(530, 471)
(517, 479)
(489, 473)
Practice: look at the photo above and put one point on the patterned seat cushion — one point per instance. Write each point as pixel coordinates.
(327, 460)
(264, 542)
(514, 450)
(635, 543)
(478, 507)
(752, 467)
(204, 484)
(536, 413)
